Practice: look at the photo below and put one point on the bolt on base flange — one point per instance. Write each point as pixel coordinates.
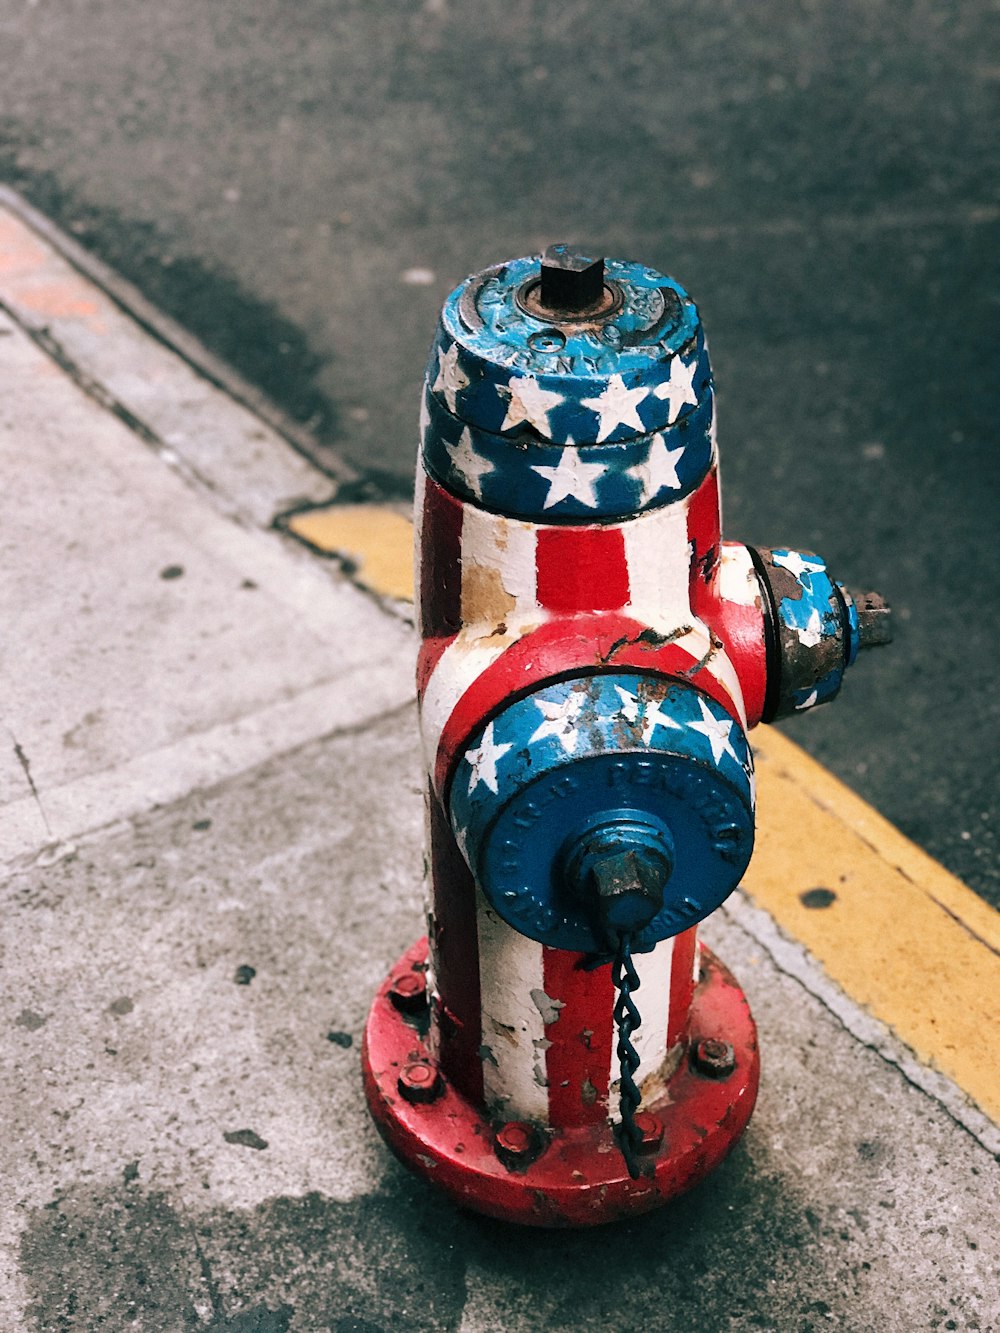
(551, 1177)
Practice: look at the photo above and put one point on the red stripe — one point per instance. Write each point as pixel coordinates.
(681, 984)
(704, 524)
(440, 562)
(428, 656)
(741, 629)
(455, 944)
(605, 641)
(582, 569)
(578, 1063)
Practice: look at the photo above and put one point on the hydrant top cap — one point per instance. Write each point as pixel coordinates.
(573, 317)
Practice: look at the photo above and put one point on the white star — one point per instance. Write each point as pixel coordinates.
(571, 476)
(659, 469)
(469, 465)
(652, 714)
(796, 564)
(679, 388)
(528, 401)
(719, 733)
(616, 406)
(484, 761)
(630, 705)
(810, 633)
(560, 718)
(451, 378)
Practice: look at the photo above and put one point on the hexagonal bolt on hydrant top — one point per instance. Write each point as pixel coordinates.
(593, 658)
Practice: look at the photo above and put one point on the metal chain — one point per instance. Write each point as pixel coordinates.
(627, 1019)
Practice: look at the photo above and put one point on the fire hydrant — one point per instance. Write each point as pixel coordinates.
(560, 1050)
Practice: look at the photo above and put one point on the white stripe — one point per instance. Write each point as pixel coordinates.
(738, 582)
(656, 551)
(696, 965)
(498, 567)
(650, 1040)
(653, 999)
(513, 1034)
(460, 666)
(499, 606)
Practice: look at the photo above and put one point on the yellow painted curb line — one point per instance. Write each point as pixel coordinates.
(377, 543)
(902, 936)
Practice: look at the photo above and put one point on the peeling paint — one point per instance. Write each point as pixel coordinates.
(547, 1007)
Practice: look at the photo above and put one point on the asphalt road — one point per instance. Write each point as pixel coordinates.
(300, 183)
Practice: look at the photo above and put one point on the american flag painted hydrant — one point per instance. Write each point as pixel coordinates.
(560, 1050)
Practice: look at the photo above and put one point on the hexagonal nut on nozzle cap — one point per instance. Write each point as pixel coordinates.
(629, 885)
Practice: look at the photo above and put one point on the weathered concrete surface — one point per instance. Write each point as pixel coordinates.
(150, 643)
(212, 842)
(854, 1202)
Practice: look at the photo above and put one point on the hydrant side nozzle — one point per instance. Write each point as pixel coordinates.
(814, 628)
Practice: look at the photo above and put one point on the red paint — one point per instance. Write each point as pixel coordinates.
(741, 629)
(681, 984)
(428, 656)
(456, 957)
(440, 562)
(605, 641)
(581, 569)
(579, 1178)
(704, 523)
(578, 1063)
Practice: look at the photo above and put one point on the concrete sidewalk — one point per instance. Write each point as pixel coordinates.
(212, 835)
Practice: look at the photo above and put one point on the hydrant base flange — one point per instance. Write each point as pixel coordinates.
(574, 1176)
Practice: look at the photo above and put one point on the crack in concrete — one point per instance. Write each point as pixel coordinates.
(22, 759)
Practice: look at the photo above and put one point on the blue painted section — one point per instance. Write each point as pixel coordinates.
(622, 747)
(815, 619)
(656, 326)
(853, 628)
(503, 475)
(823, 690)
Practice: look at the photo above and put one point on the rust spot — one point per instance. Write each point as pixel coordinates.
(783, 582)
(484, 597)
(588, 1093)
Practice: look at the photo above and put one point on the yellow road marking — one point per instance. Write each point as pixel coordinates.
(378, 543)
(902, 937)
